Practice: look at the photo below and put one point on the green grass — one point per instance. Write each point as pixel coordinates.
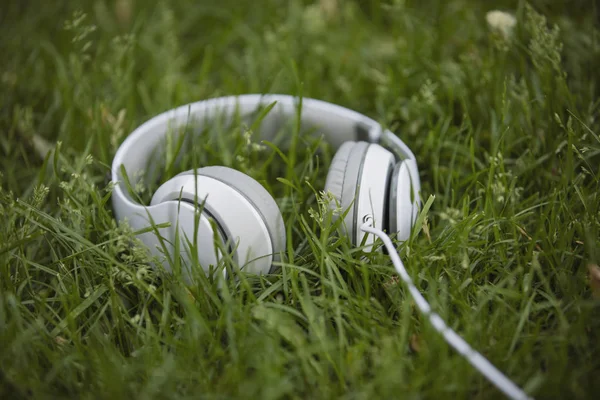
(506, 133)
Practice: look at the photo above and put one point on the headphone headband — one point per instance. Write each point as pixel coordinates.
(338, 125)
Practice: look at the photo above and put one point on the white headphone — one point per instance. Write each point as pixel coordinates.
(365, 177)
(379, 187)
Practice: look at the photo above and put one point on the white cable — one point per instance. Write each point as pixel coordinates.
(476, 359)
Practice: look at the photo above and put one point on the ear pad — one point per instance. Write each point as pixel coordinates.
(403, 201)
(343, 178)
(257, 195)
(359, 179)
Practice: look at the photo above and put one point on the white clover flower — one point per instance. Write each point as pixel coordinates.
(501, 22)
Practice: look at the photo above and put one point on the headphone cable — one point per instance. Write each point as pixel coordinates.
(481, 363)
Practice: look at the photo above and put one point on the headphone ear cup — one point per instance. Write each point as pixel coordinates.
(246, 215)
(359, 179)
(257, 195)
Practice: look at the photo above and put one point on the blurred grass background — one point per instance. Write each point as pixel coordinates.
(505, 130)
